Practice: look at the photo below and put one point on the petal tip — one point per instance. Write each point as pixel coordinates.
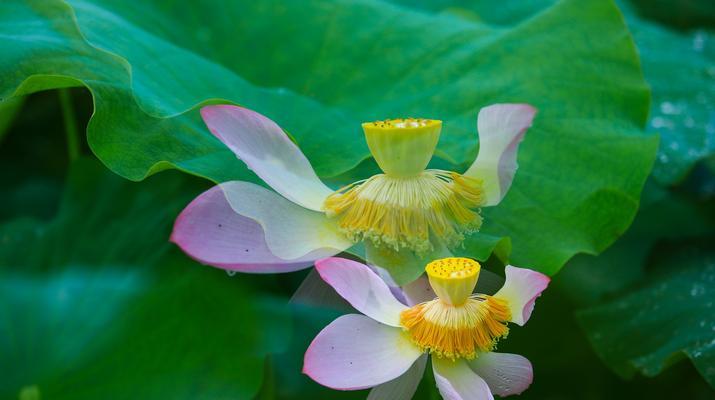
(319, 263)
(532, 274)
(531, 284)
(210, 111)
(525, 109)
(528, 107)
(531, 111)
(308, 367)
(206, 111)
(313, 371)
(176, 236)
(323, 264)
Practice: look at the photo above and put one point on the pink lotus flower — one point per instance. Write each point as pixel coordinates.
(387, 348)
(244, 227)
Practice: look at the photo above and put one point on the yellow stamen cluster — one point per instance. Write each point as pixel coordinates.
(401, 212)
(457, 324)
(457, 332)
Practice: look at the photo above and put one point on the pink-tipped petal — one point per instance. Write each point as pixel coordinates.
(402, 387)
(456, 381)
(210, 231)
(362, 288)
(355, 352)
(268, 152)
(506, 374)
(501, 128)
(520, 290)
(315, 292)
(291, 231)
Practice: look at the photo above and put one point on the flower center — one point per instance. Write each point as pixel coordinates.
(402, 147)
(453, 279)
(401, 212)
(457, 324)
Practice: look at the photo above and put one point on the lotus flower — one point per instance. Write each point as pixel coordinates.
(387, 348)
(241, 226)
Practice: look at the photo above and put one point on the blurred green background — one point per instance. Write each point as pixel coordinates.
(96, 303)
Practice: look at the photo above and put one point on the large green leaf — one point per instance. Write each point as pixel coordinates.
(566, 367)
(671, 316)
(664, 215)
(509, 12)
(680, 67)
(321, 68)
(620, 287)
(678, 13)
(95, 305)
(8, 110)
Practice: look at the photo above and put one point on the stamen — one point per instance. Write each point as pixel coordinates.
(457, 331)
(403, 212)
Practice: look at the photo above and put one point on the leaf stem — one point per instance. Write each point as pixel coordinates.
(70, 124)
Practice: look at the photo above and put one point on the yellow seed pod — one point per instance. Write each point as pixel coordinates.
(402, 147)
(453, 278)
